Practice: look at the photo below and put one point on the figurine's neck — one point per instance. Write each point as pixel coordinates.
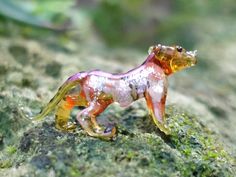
(164, 65)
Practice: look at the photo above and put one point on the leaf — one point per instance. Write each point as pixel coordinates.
(11, 10)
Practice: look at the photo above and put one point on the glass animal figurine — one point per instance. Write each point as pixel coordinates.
(95, 90)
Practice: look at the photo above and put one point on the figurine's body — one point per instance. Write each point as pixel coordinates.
(95, 90)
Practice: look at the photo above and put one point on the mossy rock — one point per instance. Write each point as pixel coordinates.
(140, 149)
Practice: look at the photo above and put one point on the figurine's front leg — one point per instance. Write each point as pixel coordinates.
(156, 97)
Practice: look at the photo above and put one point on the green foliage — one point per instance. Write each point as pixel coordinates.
(138, 24)
(112, 21)
(120, 23)
(43, 20)
(18, 12)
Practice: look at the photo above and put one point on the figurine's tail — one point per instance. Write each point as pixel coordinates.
(62, 91)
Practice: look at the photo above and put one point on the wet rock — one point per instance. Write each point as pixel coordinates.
(41, 161)
(3, 69)
(1, 140)
(219, 112)
(15, 78)
(20, 54)
(53, 69)
(25, 143)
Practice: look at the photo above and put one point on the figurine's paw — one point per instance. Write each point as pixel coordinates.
(71, 126)
(68, 127)
(165, 129)
(109, 133)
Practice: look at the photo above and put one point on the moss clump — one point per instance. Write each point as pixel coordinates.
(11, 149)
(200, 147)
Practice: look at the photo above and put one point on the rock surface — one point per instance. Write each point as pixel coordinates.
(31, 72)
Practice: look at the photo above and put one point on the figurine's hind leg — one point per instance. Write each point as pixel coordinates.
(62, 116)
(156, 107)
(99, 108)
(87, 119)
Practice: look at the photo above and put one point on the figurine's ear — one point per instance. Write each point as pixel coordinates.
(150, 50)
(155, 49)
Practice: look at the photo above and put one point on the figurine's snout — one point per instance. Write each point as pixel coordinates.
(192, 57)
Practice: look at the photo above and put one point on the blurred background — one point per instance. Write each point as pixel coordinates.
(57, 38)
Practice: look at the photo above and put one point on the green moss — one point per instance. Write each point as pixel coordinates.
(197, 144)
(11, 149)
(191, 150)
(5, 163)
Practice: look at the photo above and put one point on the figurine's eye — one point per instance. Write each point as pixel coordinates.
(179, 49)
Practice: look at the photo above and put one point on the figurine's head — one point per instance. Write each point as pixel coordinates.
(173, 59)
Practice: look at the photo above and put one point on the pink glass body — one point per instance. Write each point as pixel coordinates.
(96, 90)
